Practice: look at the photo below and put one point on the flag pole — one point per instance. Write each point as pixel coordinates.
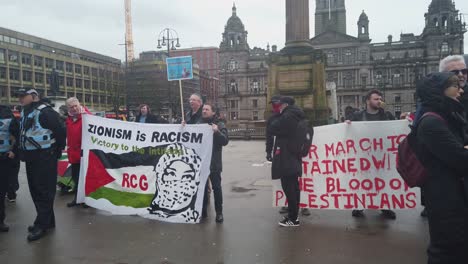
(181, 101)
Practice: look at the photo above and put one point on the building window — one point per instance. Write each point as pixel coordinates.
(87, 84)
(69, 67)
(69, 82)
(363, 80)
(26, 59)
(233, 65)
(14, 75)
(27, 76)
(38, 78)
(363, 56)
(255, 103)
(77, 69)
(48, 77)
(397, 78)
(348, 59)
(2, 73)
(331, 58)
(13, 57)
(233, 116)
(38, 61)
(79, 83)
(59, 65)
(86, 70)
(2, 56)
(255, 87)
(233, 104)
(49, 63)
(233, 87)
(94, 72)
(255, 115)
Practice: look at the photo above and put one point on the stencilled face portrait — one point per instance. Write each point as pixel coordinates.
(177, 180)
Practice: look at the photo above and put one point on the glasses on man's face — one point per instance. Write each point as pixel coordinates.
(462, 71)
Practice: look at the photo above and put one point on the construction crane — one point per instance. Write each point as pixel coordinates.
(128, 31)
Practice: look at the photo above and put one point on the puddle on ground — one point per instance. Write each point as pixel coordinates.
(242, 189)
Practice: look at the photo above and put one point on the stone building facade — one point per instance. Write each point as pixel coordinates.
(243, 74)
(28, 61)
(355, 65)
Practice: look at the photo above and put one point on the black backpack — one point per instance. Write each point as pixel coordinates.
(303, 138)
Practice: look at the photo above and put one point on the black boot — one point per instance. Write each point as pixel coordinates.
(219, 218)
(4, 227)
(36, 234)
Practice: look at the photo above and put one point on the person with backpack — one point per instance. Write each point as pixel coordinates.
(373, 112)
(441, 149)
(287, 154)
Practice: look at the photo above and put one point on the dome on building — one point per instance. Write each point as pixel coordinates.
(363, 16)
(234, 23)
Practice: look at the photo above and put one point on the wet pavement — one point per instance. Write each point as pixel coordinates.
(250, 233)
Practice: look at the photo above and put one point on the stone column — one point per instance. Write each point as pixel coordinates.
(297, 23)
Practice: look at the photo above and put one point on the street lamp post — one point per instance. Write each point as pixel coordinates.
(169, 38)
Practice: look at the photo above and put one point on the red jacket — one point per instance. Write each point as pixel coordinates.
(74, 138)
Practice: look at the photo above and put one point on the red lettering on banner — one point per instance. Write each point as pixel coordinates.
(329, 150)
(379, 164)
(325, 201)
(348, 204)
(411, 200)
(327, 167)
(378, 144)
(316, 168)
(133, 184)
(384, 202)
(395, 184)
(143, 183)
(366, 185)
(351, 163)
(398, 203)
(361, 144)
(305, 167)
(333, 185)
(365, 164)
(372, 205)
(340, 149)
(279, 196)
(308, 185)
(312, 199)
(379, 184)
(336, 199)
(354, 184)
(395, 140)
(350, 146)
(125, 182)
(339, 164)
(313, 150)
(361, 201)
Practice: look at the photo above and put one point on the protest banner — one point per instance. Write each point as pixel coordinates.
(353, 166)
(155, 171)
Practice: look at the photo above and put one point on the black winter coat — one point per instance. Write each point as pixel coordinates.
(441, 150)
(286, 163)
(152, 119)
(194, 118)
(220, 139)
(270, 139)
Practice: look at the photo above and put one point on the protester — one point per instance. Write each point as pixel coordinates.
(74, 124)
(270, 140)
(9, 133)
(145, 116)
(373, 112)
(441, 150)
(194, 116)
(41, 141)
(287, 162)
(220, 139)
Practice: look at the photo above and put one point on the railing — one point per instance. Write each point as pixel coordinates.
(247, 133)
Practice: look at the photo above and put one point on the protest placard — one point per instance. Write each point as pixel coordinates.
(155, 171)
(353, 166)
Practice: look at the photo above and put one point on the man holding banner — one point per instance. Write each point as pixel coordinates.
(373, 112)
(287, 164)
(194, 116)
(220, 139)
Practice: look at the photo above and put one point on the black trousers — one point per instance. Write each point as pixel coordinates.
(290, 186)
(75, 170)
(13, 184)
(42, 180)
(215, 178)
(7, 168)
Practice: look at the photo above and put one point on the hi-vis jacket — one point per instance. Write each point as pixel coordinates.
(5, 141)
(32, 135)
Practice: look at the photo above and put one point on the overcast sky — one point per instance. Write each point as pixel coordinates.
(99, 25)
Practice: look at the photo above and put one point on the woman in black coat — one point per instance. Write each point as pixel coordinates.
(145, 116)
(442, 151)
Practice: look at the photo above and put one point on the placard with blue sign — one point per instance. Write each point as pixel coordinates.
(179, 68)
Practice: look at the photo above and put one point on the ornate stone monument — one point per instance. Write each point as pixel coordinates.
(298, 70)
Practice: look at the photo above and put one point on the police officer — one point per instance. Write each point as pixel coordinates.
(41, 141)
(9, 132)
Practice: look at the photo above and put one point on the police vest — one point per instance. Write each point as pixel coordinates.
(5, 141)
(33, 136)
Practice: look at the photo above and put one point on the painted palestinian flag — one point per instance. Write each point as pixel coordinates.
(162, 180)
